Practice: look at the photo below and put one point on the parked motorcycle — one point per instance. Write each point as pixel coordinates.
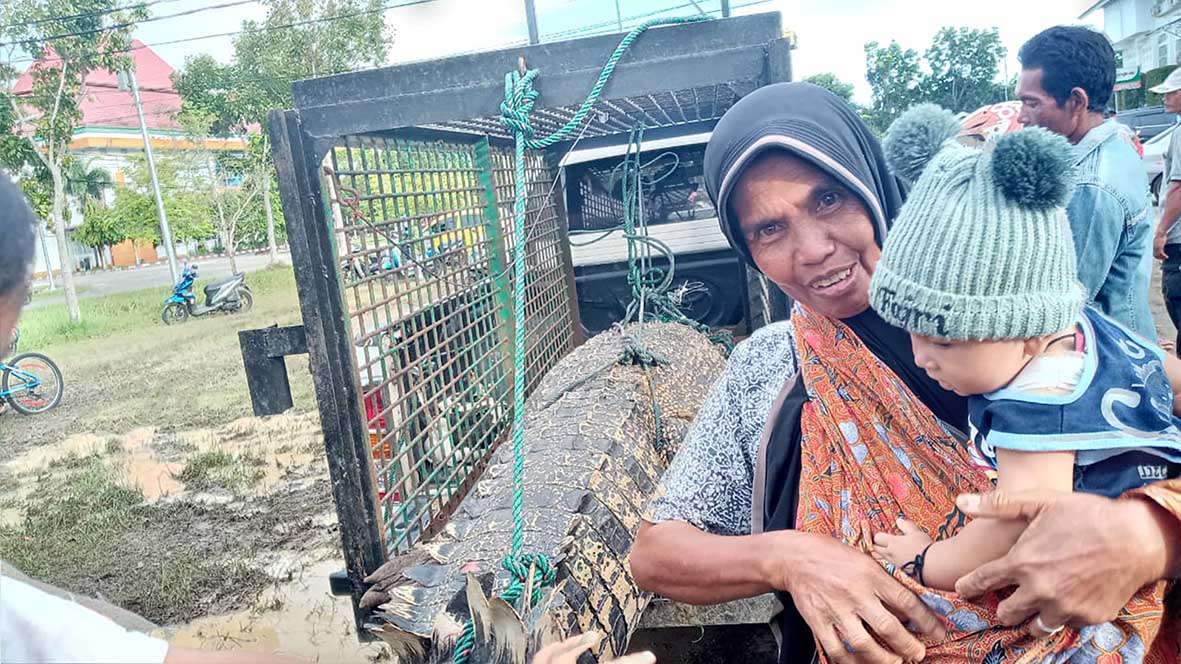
(230, 295)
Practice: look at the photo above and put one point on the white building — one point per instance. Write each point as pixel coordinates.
(1146, 33)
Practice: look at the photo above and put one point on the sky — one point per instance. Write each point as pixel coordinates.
(831, 33)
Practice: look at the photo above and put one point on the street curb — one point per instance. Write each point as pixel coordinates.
(183, 259)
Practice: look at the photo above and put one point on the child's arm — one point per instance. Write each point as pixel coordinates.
(1173, 371)
(982, 540)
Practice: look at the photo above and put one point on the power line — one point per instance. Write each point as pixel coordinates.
(263, 28)
(71, 17)
(602, 28)
(128, 24)
(581, 31)
(612, 25)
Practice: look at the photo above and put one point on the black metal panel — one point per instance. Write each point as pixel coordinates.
(472, 86)
(779, 61)
(297, 163)
(266, 372)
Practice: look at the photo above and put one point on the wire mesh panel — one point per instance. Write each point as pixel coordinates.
(423, 232)
(619, 116)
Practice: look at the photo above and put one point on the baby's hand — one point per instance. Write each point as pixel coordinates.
(901, 549)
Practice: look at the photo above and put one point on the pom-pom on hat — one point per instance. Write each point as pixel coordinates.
(982, 248)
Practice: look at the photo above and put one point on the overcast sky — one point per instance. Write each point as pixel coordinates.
(831, 33)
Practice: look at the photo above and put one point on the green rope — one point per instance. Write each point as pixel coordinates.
(519, 98)
(519, 94)
(651, 299)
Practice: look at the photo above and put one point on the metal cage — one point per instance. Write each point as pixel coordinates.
(397, 187)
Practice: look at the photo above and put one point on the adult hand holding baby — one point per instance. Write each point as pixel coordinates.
(1060, 576)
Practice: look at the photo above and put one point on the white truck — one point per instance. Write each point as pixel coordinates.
(710, 283)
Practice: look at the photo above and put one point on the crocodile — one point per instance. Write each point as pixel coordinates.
(599, 433)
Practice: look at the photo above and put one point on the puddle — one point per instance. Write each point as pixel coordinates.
(296, 615)
(299, 617)
(142, 467)
(11, 517)
(38, 458)
(152, 460)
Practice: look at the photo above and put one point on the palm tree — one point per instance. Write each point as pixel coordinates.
(88, 186)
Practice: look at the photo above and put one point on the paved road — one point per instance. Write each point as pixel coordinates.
(98, 284)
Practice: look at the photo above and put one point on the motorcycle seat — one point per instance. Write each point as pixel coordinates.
(212, 288)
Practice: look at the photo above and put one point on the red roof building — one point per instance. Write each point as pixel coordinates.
(108, 106)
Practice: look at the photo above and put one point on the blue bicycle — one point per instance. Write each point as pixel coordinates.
(31, 383)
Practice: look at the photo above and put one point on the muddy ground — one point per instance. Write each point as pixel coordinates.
(152, 487)
(224, 537)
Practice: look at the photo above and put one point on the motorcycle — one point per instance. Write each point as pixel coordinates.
(230, 295)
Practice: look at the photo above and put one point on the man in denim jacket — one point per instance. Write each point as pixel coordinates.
(1067, 77)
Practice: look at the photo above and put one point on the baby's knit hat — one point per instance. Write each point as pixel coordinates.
(982, 248)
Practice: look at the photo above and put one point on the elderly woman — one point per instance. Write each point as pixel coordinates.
(823, 429)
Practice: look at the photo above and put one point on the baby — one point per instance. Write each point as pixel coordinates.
(980, 269)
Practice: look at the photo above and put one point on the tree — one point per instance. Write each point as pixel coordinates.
(295, 40)
(85, 184)
(133, 214)
(894, 75)
(103, 227)
(67, 40)
(38, 191)
(231, 184)
(959, 71)
(186, 202)
(272, 55)
(963, 66)
(830, 82)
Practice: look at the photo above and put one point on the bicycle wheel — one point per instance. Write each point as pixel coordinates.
(33, 383)
(174, 312)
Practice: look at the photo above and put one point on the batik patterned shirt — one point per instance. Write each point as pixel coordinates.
(710, 482)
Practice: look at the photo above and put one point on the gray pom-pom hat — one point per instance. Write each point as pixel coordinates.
(982, 248)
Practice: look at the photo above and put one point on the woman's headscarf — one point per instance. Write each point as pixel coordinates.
(818, 126)
(813, 124)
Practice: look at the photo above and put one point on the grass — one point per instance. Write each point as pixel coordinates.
(47, 327)
(89, 530)
(220, 469)
(123, 368)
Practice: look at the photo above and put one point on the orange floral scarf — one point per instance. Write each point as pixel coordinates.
(873, 453)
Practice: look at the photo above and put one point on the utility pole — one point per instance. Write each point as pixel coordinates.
(1005, 61)
(45, 253)
(725, 8)
(618, 16)
(531, 19)
(127, 81)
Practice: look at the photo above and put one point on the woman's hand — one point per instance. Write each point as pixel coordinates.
(1080, 559)
(567, 651)
(904, 548)
(848, 600)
